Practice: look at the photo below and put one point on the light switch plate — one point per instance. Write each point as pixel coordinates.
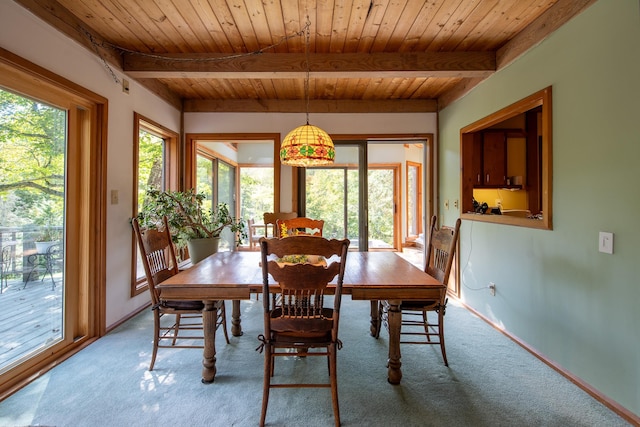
(605, 242)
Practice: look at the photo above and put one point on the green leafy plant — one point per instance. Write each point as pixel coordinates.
(49, 220)
(49, 234)
(187, 217)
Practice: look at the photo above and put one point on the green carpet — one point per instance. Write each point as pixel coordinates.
(491, 381)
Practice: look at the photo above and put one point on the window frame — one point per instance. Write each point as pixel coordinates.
(192, 148)
(171, 175)
(409, 165)
(543, 100)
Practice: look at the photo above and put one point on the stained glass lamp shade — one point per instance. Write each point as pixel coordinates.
(307, 145)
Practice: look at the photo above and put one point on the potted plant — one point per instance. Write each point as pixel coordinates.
(191, 224)
(48, 237)
(47, 226)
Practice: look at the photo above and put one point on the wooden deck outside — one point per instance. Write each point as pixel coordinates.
(30, 317)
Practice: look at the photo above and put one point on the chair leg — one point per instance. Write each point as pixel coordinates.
(176, 330)
(156, 334)
(333, 375)
(266, 385)
(223, 316)
(379, 321)
(425, 322)
(441, 334)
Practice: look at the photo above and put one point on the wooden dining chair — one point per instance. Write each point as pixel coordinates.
(270, 219)
(298, 316)
(441, 248)
(159, 261)
(299, 226)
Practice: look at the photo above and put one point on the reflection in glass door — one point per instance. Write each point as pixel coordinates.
(217, 180)
(33, 144)
(226, 193)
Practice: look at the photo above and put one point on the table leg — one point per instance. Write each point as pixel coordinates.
(209, 319)
(236, 327)
(395, 322)
(375, 319)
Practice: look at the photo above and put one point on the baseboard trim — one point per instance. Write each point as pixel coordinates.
(127, 317)
(606, 401)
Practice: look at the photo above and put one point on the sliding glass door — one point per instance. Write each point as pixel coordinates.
(333, 194)
(217, 180)
(372, 194)
(33, 153)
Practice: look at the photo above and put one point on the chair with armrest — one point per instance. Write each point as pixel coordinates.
(298, 316)
(270, 218)
(159, 261)
(441, 248)
(299, 226)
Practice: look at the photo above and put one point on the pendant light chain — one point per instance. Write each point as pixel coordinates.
(307, 145)
(306, 51)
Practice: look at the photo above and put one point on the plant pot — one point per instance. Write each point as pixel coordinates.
(43, 247)
(199, 249)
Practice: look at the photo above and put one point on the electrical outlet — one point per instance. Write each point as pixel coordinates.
(492, 289)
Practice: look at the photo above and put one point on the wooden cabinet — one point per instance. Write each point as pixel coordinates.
(486, 161)
(494, 159)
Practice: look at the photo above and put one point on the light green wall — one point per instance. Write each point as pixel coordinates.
(555, 291)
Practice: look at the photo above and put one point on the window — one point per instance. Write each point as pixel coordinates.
(155, 163)
(251, 160)
(506, 165)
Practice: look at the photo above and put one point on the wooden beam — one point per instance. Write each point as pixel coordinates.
(162, 91)
(67, 23)
(552, 19)
(315, 106)
(54, 14)
(321, 65)
(457, 92)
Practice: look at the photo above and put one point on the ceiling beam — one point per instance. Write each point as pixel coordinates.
(541, 28)
(315, 106)
(321, 65)
(67, 23)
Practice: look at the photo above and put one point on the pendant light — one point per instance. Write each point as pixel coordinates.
(307, 145)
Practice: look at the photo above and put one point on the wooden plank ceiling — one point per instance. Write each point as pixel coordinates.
(363, 55)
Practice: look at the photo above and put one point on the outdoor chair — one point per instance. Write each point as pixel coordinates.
(254, 234)
(416, 321)
(298, 317)
(46, 263)
(159, 261)
(6, 261)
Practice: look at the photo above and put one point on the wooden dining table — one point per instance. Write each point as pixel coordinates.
(236, 275)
